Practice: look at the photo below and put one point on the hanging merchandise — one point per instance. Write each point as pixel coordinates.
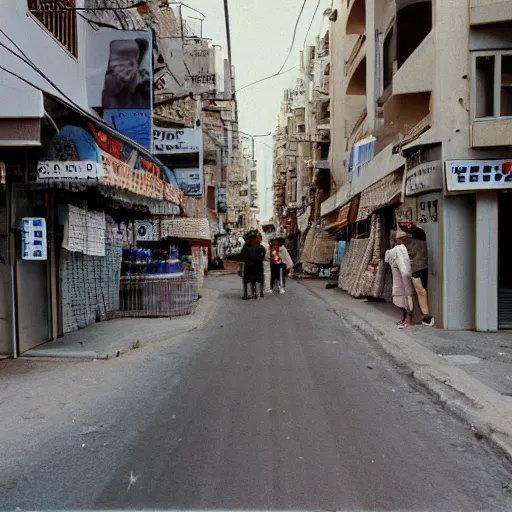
(403, 290)
(351, 264)
(85, 231)
(33, 239)
(90, 287)
(186, 228)
(318, 247)
(117, 174)
(147, 230)
(383, 193)
(126, 230)
(364, 282)
(198, 257)
(340, 251)
(115, 232)
(369, 275)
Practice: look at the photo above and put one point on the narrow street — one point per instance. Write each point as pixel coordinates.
(276, 404)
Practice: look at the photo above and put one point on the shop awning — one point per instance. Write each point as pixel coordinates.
(82, 157)
(380, 194)
(346, 215)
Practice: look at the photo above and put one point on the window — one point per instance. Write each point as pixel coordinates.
(484, 83)
(413, 24)
(210, 198)
(59, 18)
(388, 55)
(492, 85)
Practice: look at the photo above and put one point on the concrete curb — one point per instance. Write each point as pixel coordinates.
(203, 313)
(487, 412)
(222, 273)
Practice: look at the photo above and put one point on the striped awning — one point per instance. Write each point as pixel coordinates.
(346, 215)
(383, 193)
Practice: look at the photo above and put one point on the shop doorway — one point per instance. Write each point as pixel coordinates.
(504, 261)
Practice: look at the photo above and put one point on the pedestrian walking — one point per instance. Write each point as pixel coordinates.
(281, 264)
(266, 266)
(403, 290)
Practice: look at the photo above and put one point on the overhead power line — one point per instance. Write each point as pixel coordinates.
(294, 34)
(266, 78)
(311, 23)
(281, 72)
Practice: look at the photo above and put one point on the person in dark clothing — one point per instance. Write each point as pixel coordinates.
(253, 255)
(418, 253)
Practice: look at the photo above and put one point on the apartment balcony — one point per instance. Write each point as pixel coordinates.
(417, 72)
(356, 17)
(356, 84)
(357, 54)
(490, 11)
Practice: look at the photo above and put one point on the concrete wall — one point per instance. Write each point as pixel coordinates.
(487, 261)
(451, 76)
(338, 45)
(459, 225)
(490, 11)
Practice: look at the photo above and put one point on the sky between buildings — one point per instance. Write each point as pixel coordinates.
(261, 34)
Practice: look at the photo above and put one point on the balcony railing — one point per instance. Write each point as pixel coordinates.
(59, 19)
(355, 52)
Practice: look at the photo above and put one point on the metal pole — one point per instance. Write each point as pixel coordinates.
(228, 32)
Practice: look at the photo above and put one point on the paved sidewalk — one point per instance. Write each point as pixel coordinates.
(105, 340)
(469, 372)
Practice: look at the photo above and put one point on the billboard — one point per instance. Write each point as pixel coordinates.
(190, 181)
(135, 124)
(119, 78)
(174, 141)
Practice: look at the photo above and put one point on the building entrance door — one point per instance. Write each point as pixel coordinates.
(505, 261)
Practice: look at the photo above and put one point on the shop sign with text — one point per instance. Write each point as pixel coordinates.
(423, 178)
(172, 141)
(71, 171)
(467, 175)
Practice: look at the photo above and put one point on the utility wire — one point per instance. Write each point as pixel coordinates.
(294, 34)
(311, 23)
(266, 78)
(280, 72)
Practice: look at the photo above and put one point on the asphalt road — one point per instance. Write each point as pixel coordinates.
(278, 405)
